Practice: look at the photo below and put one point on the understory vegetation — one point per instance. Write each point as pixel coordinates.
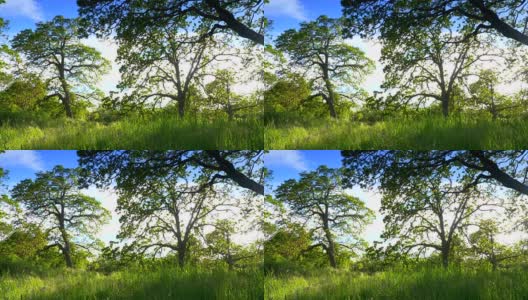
(147, 283)
(400, 284)
(413, 132)
(159, 131)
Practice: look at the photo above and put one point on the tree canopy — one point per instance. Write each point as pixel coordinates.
(70, 217)
(396, 19)
(163, 66)
(431, 66)
(130, 169)
(317, 48)
(318, 197)
(401, 171)
(133, 18)
(72, 68)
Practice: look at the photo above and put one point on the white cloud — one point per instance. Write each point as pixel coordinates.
(292, 159)
(289, 8)
(372, 49)
(372, 199)
(108, 232)
(249, 82)
(108, 199)
(22, 8)
(27, 158)
(108, 49)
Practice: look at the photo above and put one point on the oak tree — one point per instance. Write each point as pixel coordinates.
(332, 65)
(72, 68)
(55, 200)
(318, 198)
(433, 217)
(163, 65)
(430, 66)
(167, 214)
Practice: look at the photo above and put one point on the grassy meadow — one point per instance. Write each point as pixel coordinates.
(156, 132)
(422, 133)
(165, 283)
(391, 285)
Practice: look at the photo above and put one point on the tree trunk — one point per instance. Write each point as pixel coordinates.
(494, 112)
(229, 258)
(331, 104)
(66, 249)
(330, 98)
(230, 262)
(181, 106)
(494, 264)
(330, 250)
(331, 255)
(181, 258)
(493, 258)
(66, 99)
(230, 112)
(67, 255)
(445, 105)
(445, 256)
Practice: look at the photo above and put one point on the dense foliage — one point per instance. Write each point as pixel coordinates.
(170, 77)
(463, 60)
(179, 230)
(454, 223)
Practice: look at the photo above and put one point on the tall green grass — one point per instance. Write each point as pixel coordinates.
(161, 132)
(166, 283)
(422, 133)
(431, 284)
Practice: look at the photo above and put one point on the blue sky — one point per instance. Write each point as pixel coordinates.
(23, 14)
(289, 164)
(287, 14)
(25, 164)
